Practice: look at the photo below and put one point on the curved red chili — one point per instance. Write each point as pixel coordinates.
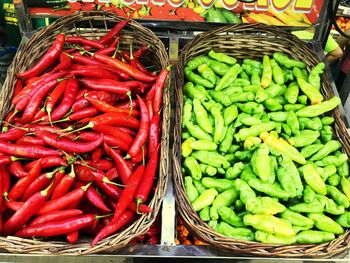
(73, 237)
(113, 131)
(65, 62)
(154, 136)
(47, 162)
(158, 96)
(47, 60)
(113, 118)
(5, 160)
(64, 185)
(108, 85)
(17, 169)
(108, 51)
(112, 174)
(30, 140)
(113, 32)
(12, 134)
(142, 134)
(55, 95)
(97, 154)
(116, 142)
(84, 41)
(95, 73)
(112, 191)
(17, 88)
(55, 216)
(138, 53)
(27, 150)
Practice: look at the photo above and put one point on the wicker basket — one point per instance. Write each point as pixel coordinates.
(92, 25)
(253, 41)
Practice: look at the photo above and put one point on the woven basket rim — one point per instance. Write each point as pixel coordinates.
(140, 226)
(203, 42)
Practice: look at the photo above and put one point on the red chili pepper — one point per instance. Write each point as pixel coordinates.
(17, 169)
(154, 137)
(144, 209)
(17, 88)
(28, 209)
(134, 62)
(113, 131)
(141, 156)
(55, 216)
(63, 201)
(100, 95)
(105, 107)
(80, 104)
(64, 185)
(113, 32)
(108, 51)
(88, 136)
(13, 205)
(112, 174)
(149, 104)
(115, 42)
(112, 118)
(55, 95)
(142, 134)
(56, 180)
(38, 184)
(129, 192)
(4, 185)
(67, 100)
(56, 228)
(30, 140)
(148, 178)
(138, 53)
(4, 160)
(108, 85)
(128, 131)
(121, 164)
(69, 146)
(84, 41)
(151, 92)
(13, 134)
(8, 119)
(47, 162)
(158, 96)
(84, 60)
(73, 237)
(47, 60)
(101, 164)
(97, 154)
(133, 72)
(65, 62)
(113, 226)
(112, 191)
(27, 150)
(95, 73)
(116, 142)
(126, 105)
(81, 93)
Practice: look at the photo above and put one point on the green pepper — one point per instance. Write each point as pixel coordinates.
(255, 78)
(270, 190)
(308, 194)
(241, 82)
(192, 92)
(288, 74)
(253, 63)
(202, 116)
(239, 233)
(260, 95)
(252, 88)
(218, 67)
(251, 142)
(325, 223)
(277, 72)
(338, 196)
(287, 130)
(211, 158)
(191, 191)
(241, 97)
(243, 155)
(219, 184)
(221, 171)
(326, 120)
(197, 132)
(302, 99)
(344, 220)
(185, 134)
(250, 120)
(258, 162)
(229, 77)
(266, 76)
(269, 224)
(274, 239)
(230, 157)
(296, 219)
(222, 57)
(279, 116)
(215, 16)
(313, 179)
(186, 112)
(250, 107)
(343, 169)
(312, 207)
(298, 73)
(330, 206)
(200, 188)
(345, 185)
(219, 124)
(247, 69)
(220, 97)
(282, 147)
(331, 159)
(327, 171)
(204, 214)
(314, 237)
(246, 193)
(197, 79)
(310, 91)
(207, 73)
(186, 149)
(292, 122)
(234, 148)
(334, 180)
(328, 148)
(309, 150)
(226, 198)
(244, 75)
(281, 100)
(232, 90)
(272, 105)
(229, 216)
(203, 145)
(213, 224)
(231, 17)
(210, 170)
(318, 109)
(275, 90)
(192, 165)
(247, 173)
(293, 107)
(292, 93)
(287, 62)
(205, 199)
(264, 205)
(195, 62)
(228, 139)
(254, 130)
(230, 114)
(326, 134)
(314, 76)
(289, 177)
(304, 138)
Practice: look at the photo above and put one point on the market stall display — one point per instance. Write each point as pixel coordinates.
(85, 130)
(250, 162)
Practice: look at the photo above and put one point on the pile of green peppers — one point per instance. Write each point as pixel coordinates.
(260, 159)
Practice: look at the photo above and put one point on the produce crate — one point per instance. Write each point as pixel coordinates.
(93, 25)
(249, 41)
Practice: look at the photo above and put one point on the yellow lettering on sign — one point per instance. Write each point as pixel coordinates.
(304, 5)
(262, 4)
(281, 5)
(230, 4)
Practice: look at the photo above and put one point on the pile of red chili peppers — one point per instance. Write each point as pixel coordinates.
(79, 149)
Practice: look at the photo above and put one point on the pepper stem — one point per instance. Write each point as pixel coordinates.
(85, 187)
(138, 203)
(107, 181)
(102, 216)
(45, 192)
(116, 51)
(87, 126)
(85, 164)
(15, 126)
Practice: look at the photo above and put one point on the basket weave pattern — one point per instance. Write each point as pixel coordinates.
(249, 41)
(92, 25)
